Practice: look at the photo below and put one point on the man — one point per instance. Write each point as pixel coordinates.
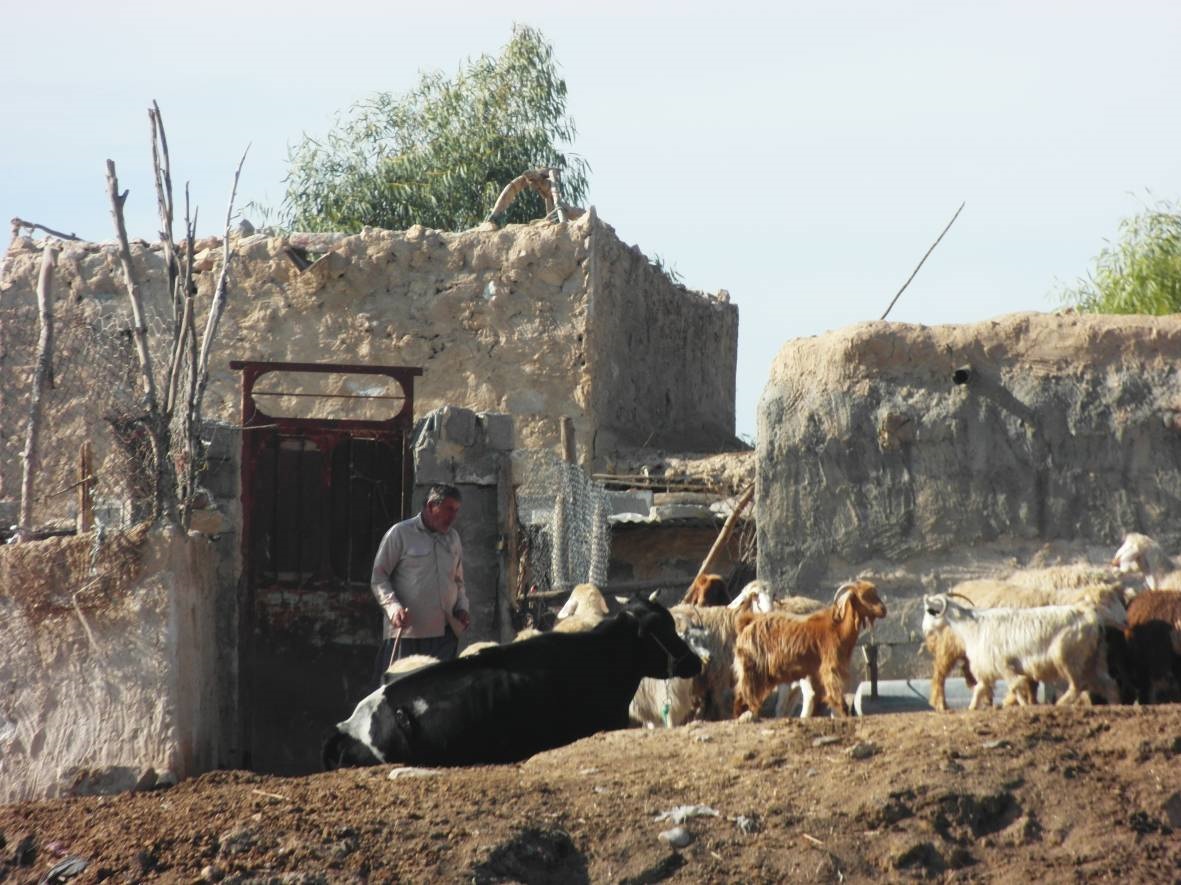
(418, 581)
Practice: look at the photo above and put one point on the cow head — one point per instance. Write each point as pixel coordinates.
(342, 750)
(665, 654)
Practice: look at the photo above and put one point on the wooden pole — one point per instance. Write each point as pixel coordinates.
(727, 530)
(509, 556)
(42, 371)
(569, 446)
(85, 487)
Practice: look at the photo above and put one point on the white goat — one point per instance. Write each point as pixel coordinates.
(1016, 644)
(1019, 590)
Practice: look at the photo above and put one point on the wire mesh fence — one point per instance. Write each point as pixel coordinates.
(95, 394)
(563, 513)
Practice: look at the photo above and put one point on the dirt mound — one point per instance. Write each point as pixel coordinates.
(1020, 794)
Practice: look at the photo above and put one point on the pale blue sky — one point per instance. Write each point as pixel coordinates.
(802, 156)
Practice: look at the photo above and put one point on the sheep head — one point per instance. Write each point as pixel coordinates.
(1140, 554)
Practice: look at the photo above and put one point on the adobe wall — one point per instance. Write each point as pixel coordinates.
(664, 360)
(501, 321)
(109, 683)
(1064, 435)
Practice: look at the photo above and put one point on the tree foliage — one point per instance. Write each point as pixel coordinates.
(440, 154)
(1139, 273)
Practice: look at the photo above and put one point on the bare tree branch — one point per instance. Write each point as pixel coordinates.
(133, 293)
(215, 309)
(161, 165)
(920, 264)
(18, 224)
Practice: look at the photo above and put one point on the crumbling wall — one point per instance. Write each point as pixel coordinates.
(498, 319)
(1063, 433)
(108, 679)
(663, 359)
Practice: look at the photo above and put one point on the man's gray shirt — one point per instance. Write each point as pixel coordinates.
(421, 571)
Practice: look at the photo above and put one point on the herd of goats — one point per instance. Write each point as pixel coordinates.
(1110, 634)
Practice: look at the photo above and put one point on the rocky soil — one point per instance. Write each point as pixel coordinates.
(1035, 794)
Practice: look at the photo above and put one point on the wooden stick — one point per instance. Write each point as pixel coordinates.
(569, 446)
(163, 171)
(18, 224)
(215, 309)
(727, 530)
(42, 371)
(920, 264)
(85, 484)
(133, 293)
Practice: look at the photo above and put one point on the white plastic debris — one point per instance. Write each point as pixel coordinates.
(682, 813)
(396, 773)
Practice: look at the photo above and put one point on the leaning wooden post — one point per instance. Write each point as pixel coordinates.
(727, 530)
(42, 371)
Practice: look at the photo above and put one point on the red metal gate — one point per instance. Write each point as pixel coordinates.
(318, 493)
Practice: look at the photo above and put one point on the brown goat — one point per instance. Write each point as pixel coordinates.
(706, 590)
(775, 648)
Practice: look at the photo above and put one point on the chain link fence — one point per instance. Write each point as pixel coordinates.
(563, 514)
(94, 362)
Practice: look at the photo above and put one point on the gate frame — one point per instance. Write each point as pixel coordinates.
(399, 427)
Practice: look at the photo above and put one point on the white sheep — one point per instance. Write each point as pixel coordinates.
(1141, 555)
(584, 608)
(675, 701)
(404, 666)
(1043, 643)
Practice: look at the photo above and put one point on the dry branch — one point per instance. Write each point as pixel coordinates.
(216, 308)
(19, 224)
(42, 372)
(920, 264)
(133, 293)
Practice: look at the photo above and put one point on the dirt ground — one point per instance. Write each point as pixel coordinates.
(1034, 794)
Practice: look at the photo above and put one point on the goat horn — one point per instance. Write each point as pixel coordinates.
(936, 602)
(848, 585)
(953, 593)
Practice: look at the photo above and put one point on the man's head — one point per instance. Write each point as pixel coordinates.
(441, 507)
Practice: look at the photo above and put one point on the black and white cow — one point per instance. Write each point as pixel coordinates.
(512, 701)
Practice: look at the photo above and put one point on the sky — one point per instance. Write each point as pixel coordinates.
(802, 156)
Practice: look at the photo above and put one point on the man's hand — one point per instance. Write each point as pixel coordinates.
(463, 616)
(400, 618)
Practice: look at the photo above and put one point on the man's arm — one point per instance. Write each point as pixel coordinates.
(389, 553)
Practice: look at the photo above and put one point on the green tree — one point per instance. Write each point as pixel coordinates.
(440, 154)
(1139, 273)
